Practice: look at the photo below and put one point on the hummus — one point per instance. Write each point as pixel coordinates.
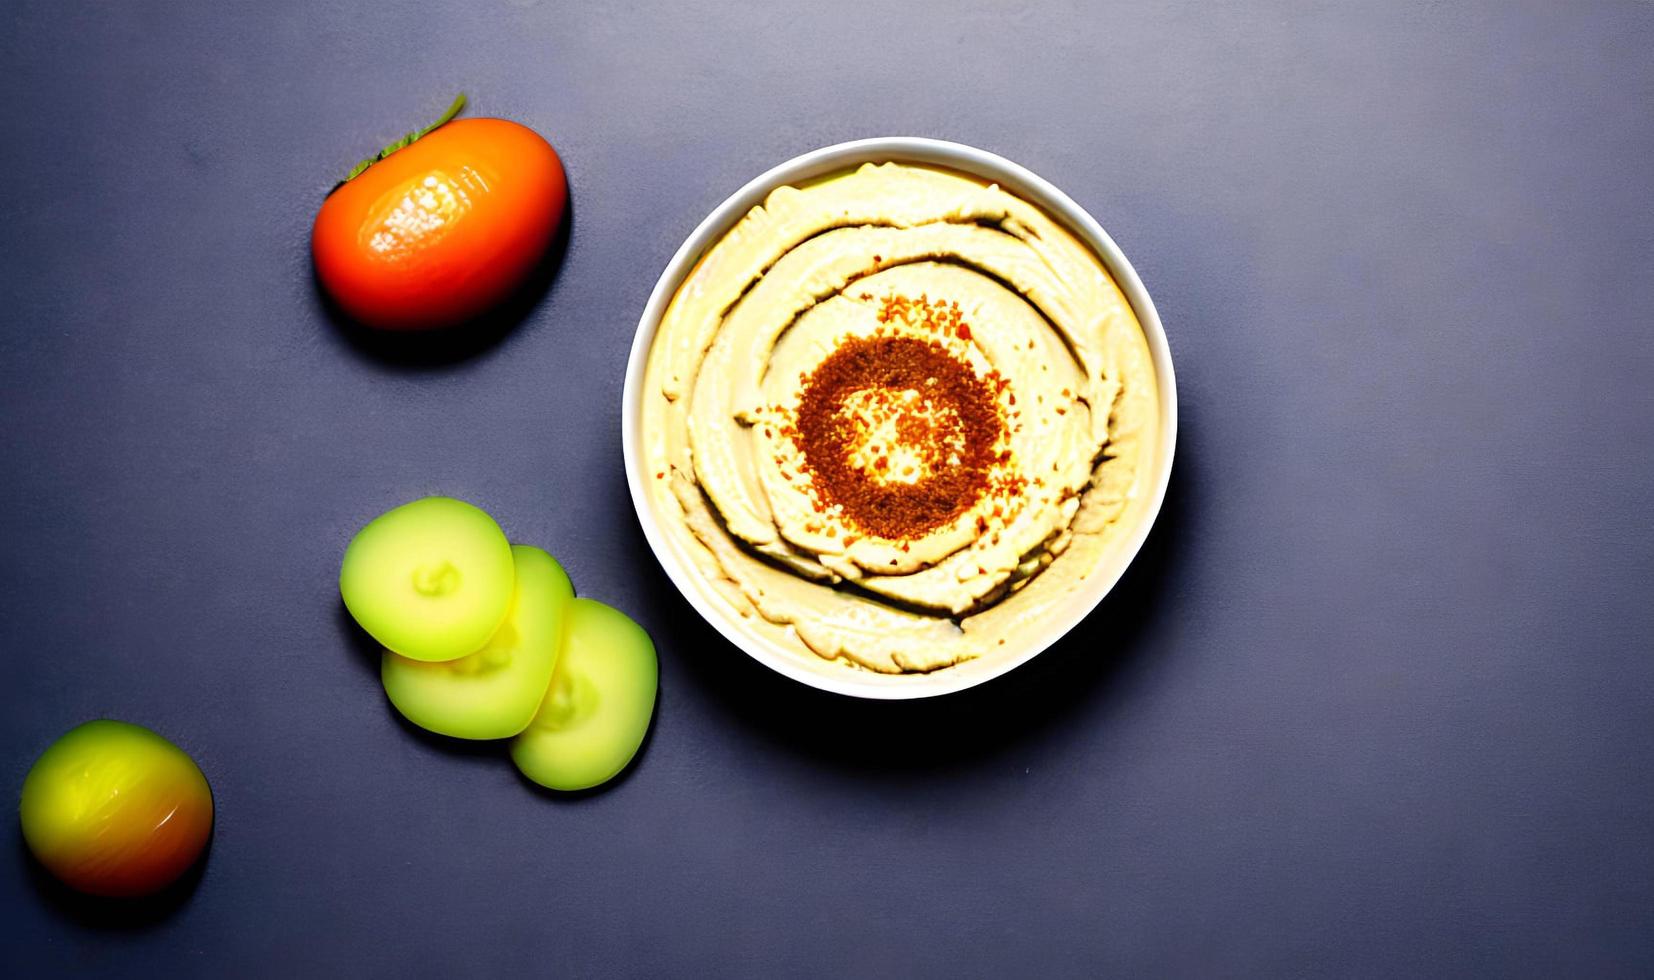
(897, 416)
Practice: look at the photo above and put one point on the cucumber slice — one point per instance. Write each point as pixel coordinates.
(494, 692)
(430, 579)
(598, 707)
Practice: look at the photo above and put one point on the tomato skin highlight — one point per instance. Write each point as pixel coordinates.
(439, 232)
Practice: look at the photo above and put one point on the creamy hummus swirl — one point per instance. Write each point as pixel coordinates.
(897, 416)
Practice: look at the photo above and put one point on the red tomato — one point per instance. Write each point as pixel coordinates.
(440, 231)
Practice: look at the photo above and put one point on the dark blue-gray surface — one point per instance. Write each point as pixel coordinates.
(1378, 699)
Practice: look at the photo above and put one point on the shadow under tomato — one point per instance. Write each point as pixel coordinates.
(426, 349)
(950, 731)
(112, 914)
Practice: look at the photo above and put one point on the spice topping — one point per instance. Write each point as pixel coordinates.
(899, 434)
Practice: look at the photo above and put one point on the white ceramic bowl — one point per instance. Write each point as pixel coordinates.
(803, 666)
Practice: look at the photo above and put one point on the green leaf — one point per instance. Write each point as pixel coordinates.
(405, 141)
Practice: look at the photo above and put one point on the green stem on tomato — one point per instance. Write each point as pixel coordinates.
(407, 140)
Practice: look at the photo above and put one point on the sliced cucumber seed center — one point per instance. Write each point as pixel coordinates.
(436, 580)
(495, 656)
(571, 700)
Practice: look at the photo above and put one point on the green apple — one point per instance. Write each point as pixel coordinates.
(114, 809)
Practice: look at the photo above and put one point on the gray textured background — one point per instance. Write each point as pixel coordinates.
(1378, 698)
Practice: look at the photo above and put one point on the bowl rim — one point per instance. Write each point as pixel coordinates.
(968, 160)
